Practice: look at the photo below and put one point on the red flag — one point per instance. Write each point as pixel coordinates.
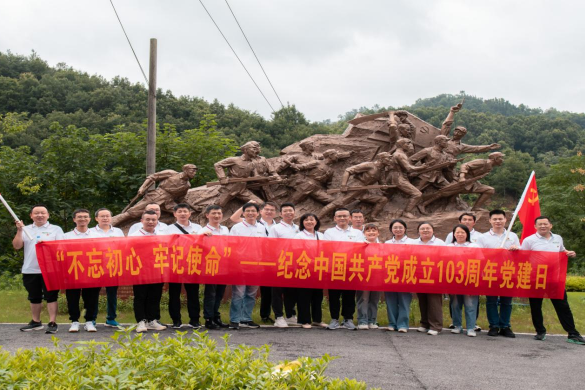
(529, 208)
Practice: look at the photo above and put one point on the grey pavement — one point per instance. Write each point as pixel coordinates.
(391, 360)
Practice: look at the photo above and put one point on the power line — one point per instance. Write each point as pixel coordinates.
(257, 59)
(123, 29)
(244, 66)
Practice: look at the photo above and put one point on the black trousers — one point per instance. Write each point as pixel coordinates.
(147, 301)
(90, 302)
(309, 302)
(347, 305)
(193, 306)
(290, 300)
(563, 312)
(212, 296)
(265, 301)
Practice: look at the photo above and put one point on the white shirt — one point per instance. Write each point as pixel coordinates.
(191, 228)
(246, 230)
(160, 228)
(536, 242)
(222, 231)
(403, 240)
(113, 232)
(284, 230)
(493, 240)
(305, 235)
(267, 227)
(77, 235)
(474, 235)
(141, 233)
(433, 241)
(337, 234)
(465, 244)
(47, 232)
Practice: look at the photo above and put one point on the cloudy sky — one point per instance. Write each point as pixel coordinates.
(326, 57)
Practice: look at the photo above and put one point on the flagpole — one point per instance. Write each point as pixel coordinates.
(520, 202)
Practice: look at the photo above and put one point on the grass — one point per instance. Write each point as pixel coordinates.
(15, 308)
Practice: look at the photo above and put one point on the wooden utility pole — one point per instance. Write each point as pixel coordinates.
(151, 129)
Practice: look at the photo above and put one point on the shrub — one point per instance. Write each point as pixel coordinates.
(11, 282)
(575, 283)
(187, 361)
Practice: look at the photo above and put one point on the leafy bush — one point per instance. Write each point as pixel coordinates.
(11, 282)
(575, 283)
(187, 361)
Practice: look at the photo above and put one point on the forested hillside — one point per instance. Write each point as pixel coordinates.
(70, 139)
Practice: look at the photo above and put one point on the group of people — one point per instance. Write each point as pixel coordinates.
(298, 306)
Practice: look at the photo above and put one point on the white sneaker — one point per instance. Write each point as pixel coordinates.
(90, 327)
(334, 324)
(74, 327)
(471, 333)
(155, 325)
(432, 332)
(456, 330)
(141, 327)
(403, 330)
(280, 322)
(348, 324)
(362, 327)
(373, 326)
(291, 320)
(306, 326)
(321, 324)
(422, 329)
(390, 329)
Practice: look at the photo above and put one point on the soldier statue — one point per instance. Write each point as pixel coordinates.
(433, 155)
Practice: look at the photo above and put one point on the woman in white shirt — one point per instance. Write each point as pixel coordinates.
(398, 303)
(431, 305)
(309, 300)
(462, 238)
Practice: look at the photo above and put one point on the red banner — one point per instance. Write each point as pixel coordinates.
(301, 263)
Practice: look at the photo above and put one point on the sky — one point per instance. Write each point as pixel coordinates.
(326, 57)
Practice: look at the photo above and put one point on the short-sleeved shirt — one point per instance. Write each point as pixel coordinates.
(142, 233)
(536, 242)
(112, 232)
(284, 230)
(77, 235)
(305, 235)
(474, 235)
(248, 230)
(466, 244)
(47, 232)
(337, 234)
(221, 231)
(493, 240)
(160, 228)
(403, 240)
(191, 228)
(433, 241)
(267, 227)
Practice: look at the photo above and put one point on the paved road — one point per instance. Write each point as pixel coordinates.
(398, 361)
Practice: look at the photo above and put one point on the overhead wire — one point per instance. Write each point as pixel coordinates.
(257, 59)
(130, 43)
(244, 66)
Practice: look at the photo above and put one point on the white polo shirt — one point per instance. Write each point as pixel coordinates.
(222, 231)
(474, 235)
(47, 232)
(246, 230)
(305, 235)
(192, 228)
(112, 232)
(403, 240)
(536, 242)
(77, 235)
(267, 227)
(284, 230)
(493, 240)
(433, 241)
(337, 234)
(141, 233)
(466, 244)
(160, 228)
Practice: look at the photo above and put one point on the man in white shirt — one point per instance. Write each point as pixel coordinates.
(545, 241)
(342, 232)
(183, 225)
(499, 322)
(160, 227)
(40, 230)
(104, 229)
(147, 296)
(213, 293)
(357, 219)
(81, 218)
(286, 228)
(244, 297)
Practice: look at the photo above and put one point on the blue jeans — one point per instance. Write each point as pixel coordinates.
(243, 300)
(367, 306)
(398, 308)
(501, 319)
(470, 303)
(112, 294)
